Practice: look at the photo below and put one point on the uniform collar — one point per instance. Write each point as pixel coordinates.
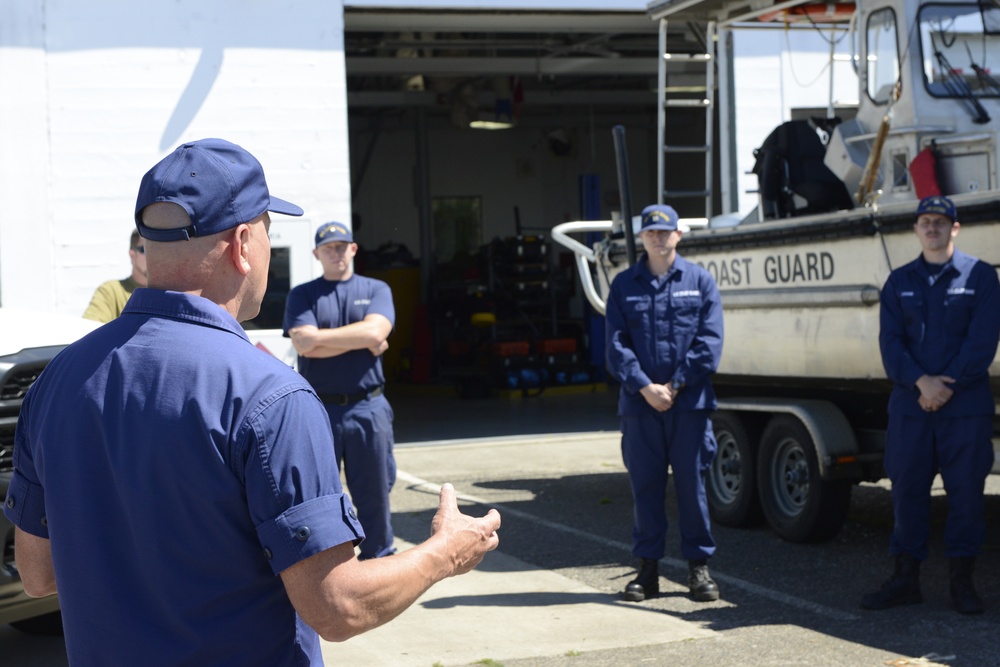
(959, 262)
(642, 266)
(182, 306)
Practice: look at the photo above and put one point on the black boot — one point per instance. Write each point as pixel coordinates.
(963, 594)
(902, 588)
(703, 587)
(647, 582)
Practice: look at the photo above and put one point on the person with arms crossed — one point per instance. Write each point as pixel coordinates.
(176, 486)
(939, 329)
(110, 297)
(339, 324)
(664, 341)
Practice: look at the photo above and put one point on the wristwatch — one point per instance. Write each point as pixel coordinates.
(676, 386)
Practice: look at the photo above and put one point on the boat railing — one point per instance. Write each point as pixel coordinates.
(907, 129)
(586, 256)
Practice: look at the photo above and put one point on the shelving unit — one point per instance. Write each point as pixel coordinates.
(502, 332)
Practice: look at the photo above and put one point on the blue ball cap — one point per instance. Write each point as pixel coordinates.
(329, 232)
(659, 216)
(218, 183)
(937, 204)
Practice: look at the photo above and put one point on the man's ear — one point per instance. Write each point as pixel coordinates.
(239, 248)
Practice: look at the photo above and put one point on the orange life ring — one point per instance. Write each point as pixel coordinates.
(826, 12)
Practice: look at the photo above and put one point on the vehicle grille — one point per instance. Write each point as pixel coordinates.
(18, 382)
(6, 450)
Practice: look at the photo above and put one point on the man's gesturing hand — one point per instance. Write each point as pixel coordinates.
(465, 539)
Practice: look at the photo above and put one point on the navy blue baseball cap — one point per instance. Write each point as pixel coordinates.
(329, 232)
(218, 183)
(937, 204)
(659, 216)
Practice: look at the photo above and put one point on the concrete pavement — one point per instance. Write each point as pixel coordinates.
(506, 609)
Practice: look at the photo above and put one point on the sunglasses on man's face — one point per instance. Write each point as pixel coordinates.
(141, 249)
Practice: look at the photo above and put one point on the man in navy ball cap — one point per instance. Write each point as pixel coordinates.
(939, 328)
(339, 324)
(664, 341)
(196, 473)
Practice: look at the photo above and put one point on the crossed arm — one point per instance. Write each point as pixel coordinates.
(370, 334)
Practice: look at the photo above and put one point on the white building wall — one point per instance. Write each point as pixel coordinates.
(106, 88)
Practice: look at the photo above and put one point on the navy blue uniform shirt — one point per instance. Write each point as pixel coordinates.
(177, 469)
(947, 324)
(659, 331)
(328, 304)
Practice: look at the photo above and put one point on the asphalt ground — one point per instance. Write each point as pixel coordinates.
(550, 595)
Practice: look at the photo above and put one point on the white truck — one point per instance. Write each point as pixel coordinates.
(802, 390)
(24, 352)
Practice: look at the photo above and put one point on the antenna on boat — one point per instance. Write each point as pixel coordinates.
(867, 194)
(624, 190)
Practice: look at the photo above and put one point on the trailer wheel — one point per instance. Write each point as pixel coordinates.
(798, 505)
(732, 479)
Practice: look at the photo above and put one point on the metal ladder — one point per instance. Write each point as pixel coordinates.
(667, 99)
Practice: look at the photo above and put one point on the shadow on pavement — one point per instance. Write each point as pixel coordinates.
(580, 525)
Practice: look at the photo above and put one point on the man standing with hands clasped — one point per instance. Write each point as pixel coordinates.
(176, 486)
(664, 340)
(940, 323)
(339, 324)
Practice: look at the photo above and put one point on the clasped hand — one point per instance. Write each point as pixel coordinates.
(659, 396)
(935, 391)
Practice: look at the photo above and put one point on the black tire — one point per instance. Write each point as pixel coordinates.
(799, 506)
(731, 484)
(47, 625)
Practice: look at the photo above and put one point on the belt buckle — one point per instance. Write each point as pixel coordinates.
(343, 400)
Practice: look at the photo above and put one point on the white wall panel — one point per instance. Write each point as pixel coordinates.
(118, 85)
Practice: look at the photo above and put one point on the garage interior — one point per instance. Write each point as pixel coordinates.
(457, 219)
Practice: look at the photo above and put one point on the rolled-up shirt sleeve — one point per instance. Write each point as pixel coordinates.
(24, 505)
(293, 487)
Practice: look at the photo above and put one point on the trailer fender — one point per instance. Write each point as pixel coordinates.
(831, 432)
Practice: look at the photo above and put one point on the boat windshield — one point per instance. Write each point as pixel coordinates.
(960, 45)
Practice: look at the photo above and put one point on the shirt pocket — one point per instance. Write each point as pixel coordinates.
(637, 313)
(957, 315)
(685, 314)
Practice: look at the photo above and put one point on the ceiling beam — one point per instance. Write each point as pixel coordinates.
(491, 21)
(532, 99)
(362, 66)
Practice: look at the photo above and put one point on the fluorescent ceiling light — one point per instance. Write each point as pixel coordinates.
(487, 123)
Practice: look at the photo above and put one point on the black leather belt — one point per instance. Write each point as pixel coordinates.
(347, 399)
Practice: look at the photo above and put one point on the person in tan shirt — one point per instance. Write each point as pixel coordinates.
(110, 297)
